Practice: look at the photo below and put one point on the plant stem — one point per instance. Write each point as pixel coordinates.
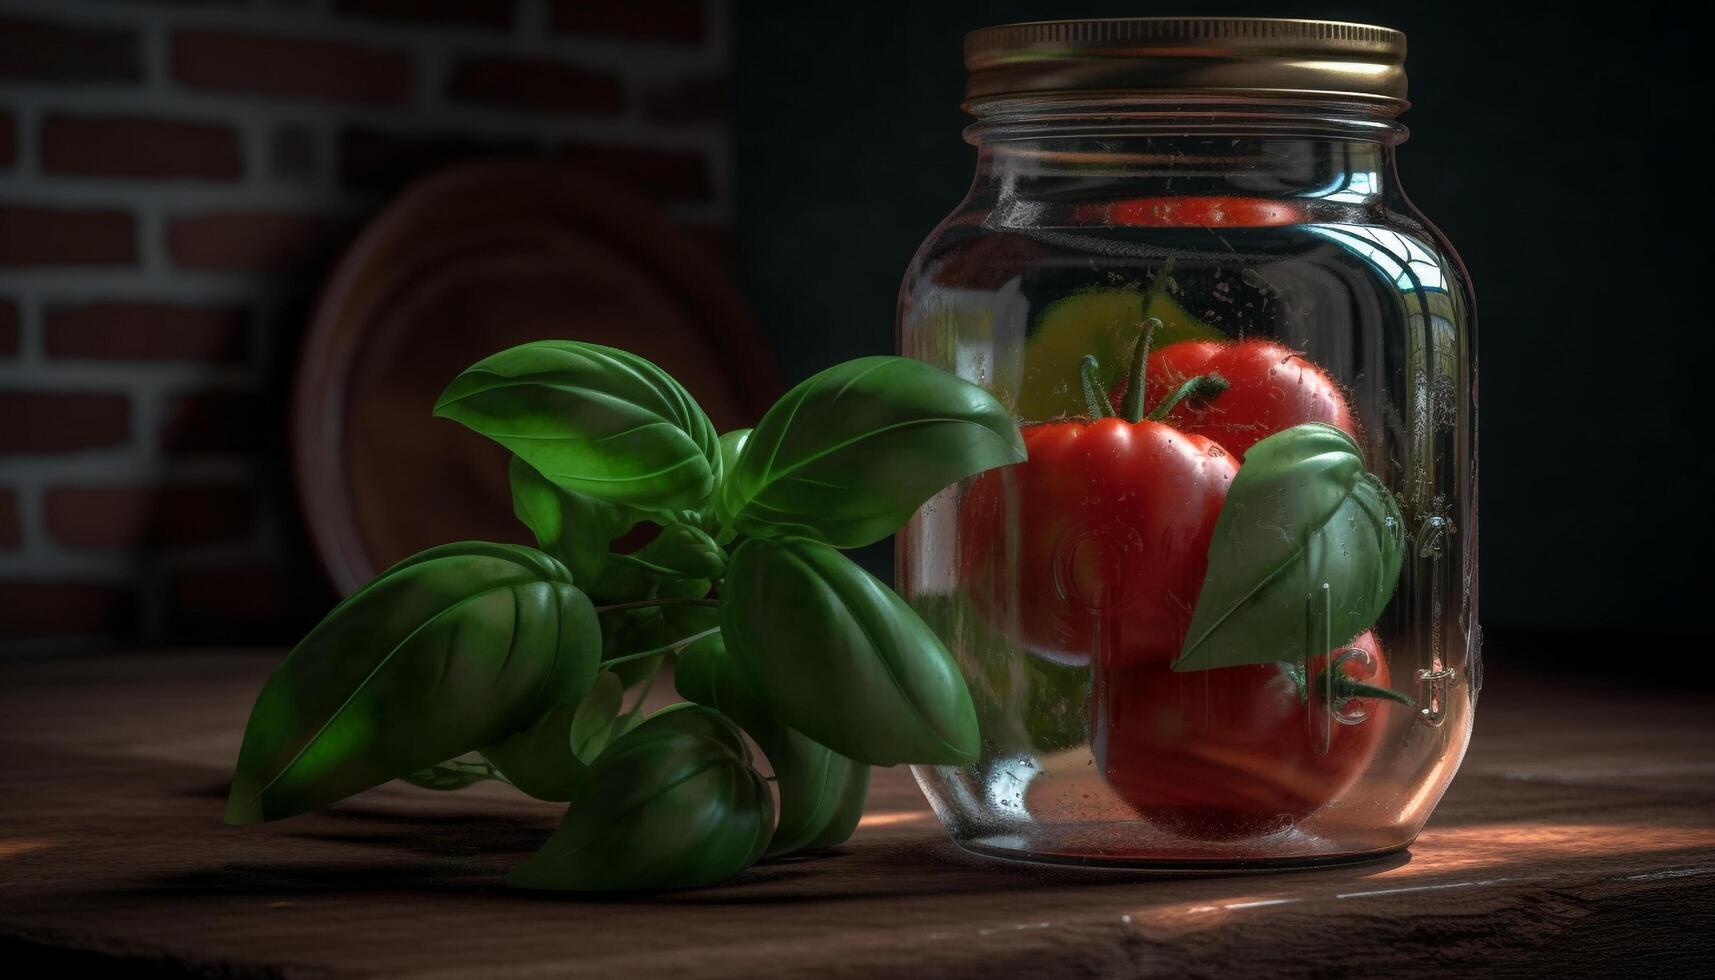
(673, 647)
(1202, 386)
(1131, 409)
(649, 567)
(648, 683)
(668, 601)
(1094, 398)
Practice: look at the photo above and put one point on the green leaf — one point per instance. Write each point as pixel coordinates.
(842, 797)
(1024, 702)
(849, 455)
(1301, 512)
(594, 420)
(679, 561)
(732, 444)
(539, 760)
(822, 793)
(689, 619)
(631, 631)
(672, 804)
(835, 654)
(679, 551)
(450, 650)
(454, 774)
(573, 527)
(597, 718)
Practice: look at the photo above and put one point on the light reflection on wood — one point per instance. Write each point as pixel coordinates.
(890, 818)
(14, 846)
(1455, 859)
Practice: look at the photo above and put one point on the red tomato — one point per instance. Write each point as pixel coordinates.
(1196, 212)
(1236, 751)
(1097, 543)
(1271, 387)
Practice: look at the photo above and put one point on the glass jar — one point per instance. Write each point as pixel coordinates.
(1225, 613)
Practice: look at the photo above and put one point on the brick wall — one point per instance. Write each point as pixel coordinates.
(176, 179)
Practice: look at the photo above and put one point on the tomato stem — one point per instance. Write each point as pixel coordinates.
(1343, 688)
(1202, 386)
(1346, 689)
(1094, 400)
(1131, 408)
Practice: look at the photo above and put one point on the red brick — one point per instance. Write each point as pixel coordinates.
(64, 608)
(670, 20)
(60, 422)
(490, 13)
(9, 328)
(8, 139)
(372, 160)
(122, 331)
(294, 67)
(216, 422)
(56, 236)
(550, 86)
(663, 174)
(125, 517)
(690, 100)
(252, 240)
(39, 51)
(11, 529)
(117, 146)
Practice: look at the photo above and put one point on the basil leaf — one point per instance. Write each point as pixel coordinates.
(822, 793)
(594, 420)
(732, 444)
(689, 619)
(673, 803)
(849, 455)
(1024, 702)
(835, 654)
(679, 561)
(679, 551)
(445, 652)
(597, 717)
(842, 797)
(631, 631)
(1301, 512)
(539, 761)
(573, 527)
(454, 774)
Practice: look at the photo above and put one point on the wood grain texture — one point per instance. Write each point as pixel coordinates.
(1579, 838)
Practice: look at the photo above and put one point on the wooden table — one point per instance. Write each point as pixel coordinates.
(1580, 837)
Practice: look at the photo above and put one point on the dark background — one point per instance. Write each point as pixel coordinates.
(177, 180)
(1548, 147)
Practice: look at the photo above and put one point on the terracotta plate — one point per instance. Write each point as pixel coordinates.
(464, 263)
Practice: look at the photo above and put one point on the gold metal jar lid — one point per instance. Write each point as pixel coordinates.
(1190, 56)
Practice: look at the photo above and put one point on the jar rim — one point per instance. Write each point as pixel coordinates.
(1306, 115)
(1167, 57)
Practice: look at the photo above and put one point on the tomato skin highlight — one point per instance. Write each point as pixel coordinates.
(1270, 387)
(1111, 522)
(1231, 753)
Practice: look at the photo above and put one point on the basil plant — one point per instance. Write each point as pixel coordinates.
(476, 661)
